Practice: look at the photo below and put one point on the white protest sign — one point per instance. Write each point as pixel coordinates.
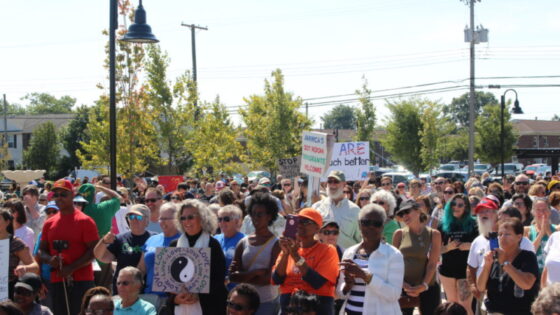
(314, 153)
(179, 268)
(352, 158)
(289, 168)
(4, 262)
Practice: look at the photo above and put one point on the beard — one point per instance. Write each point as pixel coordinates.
(336, 194)
(484, 226)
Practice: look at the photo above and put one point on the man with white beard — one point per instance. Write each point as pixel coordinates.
(336, 207)
(487, 218)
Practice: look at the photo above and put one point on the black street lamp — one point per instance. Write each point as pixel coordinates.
(138, 32)
(516, 110)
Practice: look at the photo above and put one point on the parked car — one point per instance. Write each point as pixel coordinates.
(461, 176)
(79, 173)
(449, 167)
(509, 169)
(400, 177)
(256, 175)
(537, 169)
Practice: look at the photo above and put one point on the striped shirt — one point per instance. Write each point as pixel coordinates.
(355, 303)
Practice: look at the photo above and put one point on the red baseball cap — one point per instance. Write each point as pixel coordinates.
(63, 184)
(312, 215)
(485, 203)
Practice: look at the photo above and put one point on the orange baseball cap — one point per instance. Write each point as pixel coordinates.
(63, 184)
(312, 215)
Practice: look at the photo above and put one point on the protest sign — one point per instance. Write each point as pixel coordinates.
(289, 168)
(170, 182)
(177, 269)
(4, 257)
(350, 157)
(314, 153)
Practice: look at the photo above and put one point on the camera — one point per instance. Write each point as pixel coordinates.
(60, 245)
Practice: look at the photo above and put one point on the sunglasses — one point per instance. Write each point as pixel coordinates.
(287, 185)
(519, 204)
(439, 183)
(23, 292)
(403, 213)
(521, 183)
(123, 283)
(329, 232)
(152, 200)
(235, 306)
(364, 198)
(386, 184)
(305, 221)
(136, 217)
(379, 202)
(62, 194)
(224, 219)
(333, 181)
(188, 217)
(414, 186)
(51, 212)
(448, 192)
(374, 223)
(165, 219)
(458, 205)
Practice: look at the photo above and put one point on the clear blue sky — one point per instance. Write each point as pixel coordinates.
(324, 47)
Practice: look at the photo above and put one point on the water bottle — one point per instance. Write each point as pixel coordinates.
(518, 292)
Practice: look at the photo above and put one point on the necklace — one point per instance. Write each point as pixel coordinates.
(419, 237)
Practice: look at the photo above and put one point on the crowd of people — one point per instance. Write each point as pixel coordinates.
(361, 247)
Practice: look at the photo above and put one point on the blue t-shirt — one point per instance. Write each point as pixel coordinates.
(154, 227)
(150, 257)
(228, 247)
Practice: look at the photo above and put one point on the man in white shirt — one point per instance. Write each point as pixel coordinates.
(341, 210)
(487, 219)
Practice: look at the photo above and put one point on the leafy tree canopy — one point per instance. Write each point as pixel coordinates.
(340, 117)
(458, 109)
(44, 103)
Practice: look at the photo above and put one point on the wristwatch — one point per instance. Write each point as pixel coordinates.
(300, 262)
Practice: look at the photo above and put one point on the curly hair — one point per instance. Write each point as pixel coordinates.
(387, 197)
(250, 293)
(226, 197)
(265, 200)
(208, 219)
(548, 301)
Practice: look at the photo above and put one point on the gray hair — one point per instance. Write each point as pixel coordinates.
(386, 197)
(547, 301)
(135, 272)
(373, 208)
(169, 206)
(208, 219)
(232, 210)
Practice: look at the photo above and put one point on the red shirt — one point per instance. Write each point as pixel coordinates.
(76, 228)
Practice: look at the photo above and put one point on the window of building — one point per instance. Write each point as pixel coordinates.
(535, 141)
(545, 141)
(12, 141)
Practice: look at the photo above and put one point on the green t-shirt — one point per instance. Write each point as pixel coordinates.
(389, 229)
(103, 213)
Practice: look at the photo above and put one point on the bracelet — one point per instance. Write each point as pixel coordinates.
(426, 286)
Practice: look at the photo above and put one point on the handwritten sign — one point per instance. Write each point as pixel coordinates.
(170, 182)
(4, 257)
(178, 269)
(314, 153)
(352, 158)
(289, 168)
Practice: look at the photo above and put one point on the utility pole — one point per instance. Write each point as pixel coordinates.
(193, 40)
(472, 91)
(5, 121)
(306, 110)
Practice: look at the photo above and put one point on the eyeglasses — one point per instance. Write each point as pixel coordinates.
(152, 200)
(136, 217)
(305, 221)
(329, 232)
(448, 192)
(519, 204)
(386, 184)
(97, 312)
(414, 186)
(364, 198)
(188, 217)
(166, 219)
(123, 283)
(61, 194)
(402, 213)
(224, 219)
(374, 223)
(379, 202)
(333, 181)
(235, 306)
(521, 183)
(23, 292)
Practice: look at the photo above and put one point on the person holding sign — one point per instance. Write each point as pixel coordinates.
(197, 223)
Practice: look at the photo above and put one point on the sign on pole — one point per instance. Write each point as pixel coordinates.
(289, 168)
(178, 269)
(314, 153)
(352, 158)
(4, 277)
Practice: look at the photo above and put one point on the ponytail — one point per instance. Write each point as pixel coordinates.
(7, 216)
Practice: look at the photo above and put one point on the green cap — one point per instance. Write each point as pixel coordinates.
(339, 175)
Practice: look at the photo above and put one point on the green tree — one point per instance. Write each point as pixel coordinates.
(454, 145)
(72, 136)
(44, 149)
(365, 118)
(403, 138)
(458, 109)
(274, 124)
(173, 103)
(340, 117)
(137, 146)
(555, 117)
(214, 141)
(430, 134)
(44, 103)
(488, 147)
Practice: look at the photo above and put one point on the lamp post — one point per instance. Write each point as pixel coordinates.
(138, 32)
(516, 110)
